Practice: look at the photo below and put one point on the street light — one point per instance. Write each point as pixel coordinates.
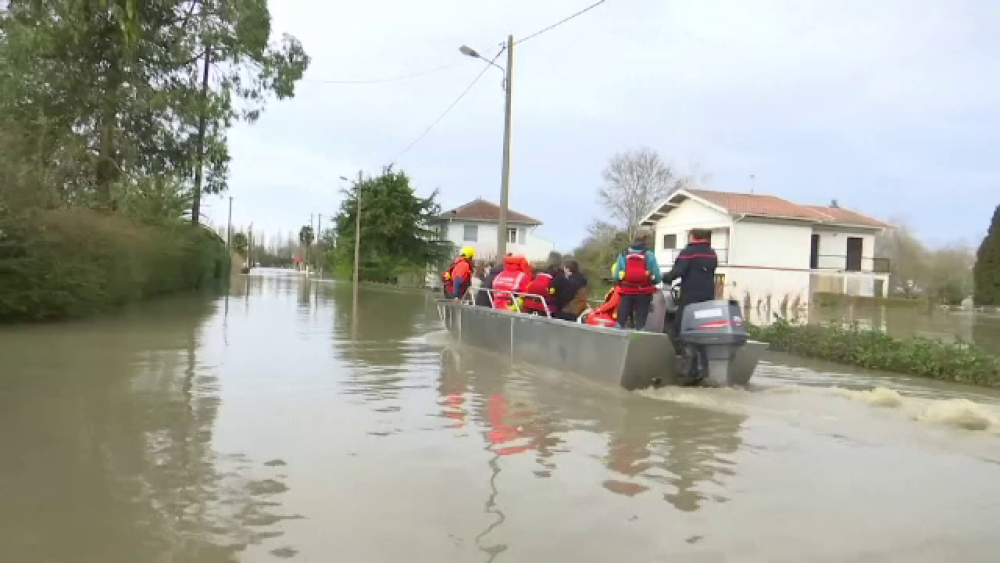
(505, 178)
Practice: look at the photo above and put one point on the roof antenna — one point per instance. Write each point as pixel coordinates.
(753, 181)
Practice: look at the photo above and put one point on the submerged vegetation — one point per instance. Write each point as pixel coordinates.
(872, 349)
(73, 262)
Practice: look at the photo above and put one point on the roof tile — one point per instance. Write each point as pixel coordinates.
(771, 206)
(481, 210)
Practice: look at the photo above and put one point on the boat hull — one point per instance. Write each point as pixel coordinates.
(631, 359)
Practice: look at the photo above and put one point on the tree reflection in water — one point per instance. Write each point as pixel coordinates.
(113, 458)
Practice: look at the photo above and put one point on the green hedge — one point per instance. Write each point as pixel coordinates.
(873, 349)
(74, 262)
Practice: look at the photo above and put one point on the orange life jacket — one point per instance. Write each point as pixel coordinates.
(606, 314)
(636, 279)
(448, 276)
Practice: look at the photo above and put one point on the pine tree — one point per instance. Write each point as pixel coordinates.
(987, 271)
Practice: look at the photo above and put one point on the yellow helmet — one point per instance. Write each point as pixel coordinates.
(469, 252)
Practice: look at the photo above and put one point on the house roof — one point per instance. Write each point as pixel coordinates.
(486, 211)
(767, 206)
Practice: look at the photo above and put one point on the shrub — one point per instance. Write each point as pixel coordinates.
(73, 262)
(872, 349)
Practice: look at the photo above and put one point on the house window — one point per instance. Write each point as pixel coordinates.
(471, 233)
(512, 236)
(669, 242)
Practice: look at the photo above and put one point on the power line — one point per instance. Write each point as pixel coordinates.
(562, 21)
(384, 80)
(446, 111)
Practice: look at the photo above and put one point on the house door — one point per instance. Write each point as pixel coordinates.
(720, 285)
(854, 246)
(814, 253)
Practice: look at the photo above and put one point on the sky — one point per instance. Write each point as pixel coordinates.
(890, 107)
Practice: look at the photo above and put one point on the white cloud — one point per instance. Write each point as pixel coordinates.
(889, 106)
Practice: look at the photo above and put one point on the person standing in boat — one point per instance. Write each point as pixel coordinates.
(695, 266)
(458, 277)
(636, 273)
(483, 299)
(511, 279)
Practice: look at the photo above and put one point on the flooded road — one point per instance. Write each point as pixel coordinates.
(267, 426)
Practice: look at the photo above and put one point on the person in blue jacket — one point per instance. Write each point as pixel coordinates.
(636, 273)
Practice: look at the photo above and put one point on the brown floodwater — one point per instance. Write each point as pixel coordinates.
(270, 424)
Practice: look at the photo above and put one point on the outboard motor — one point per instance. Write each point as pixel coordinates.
(711, 333)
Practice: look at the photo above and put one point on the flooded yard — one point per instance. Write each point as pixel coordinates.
(271, 424)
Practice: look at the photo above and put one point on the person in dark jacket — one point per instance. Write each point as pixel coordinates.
(572, 293)
(695, 266)
(483, 297)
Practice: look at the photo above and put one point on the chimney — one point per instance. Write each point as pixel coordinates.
(834, 204)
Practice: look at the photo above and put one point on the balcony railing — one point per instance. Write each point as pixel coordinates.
(841, 264)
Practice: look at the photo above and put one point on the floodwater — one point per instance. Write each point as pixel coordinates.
(979, 328)
(272, 425)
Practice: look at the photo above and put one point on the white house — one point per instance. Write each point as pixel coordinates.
(774, 254)
(475, 224)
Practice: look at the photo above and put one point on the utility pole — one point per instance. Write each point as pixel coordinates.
(319, 229)
(202, 119)
(250, 249)
(229, 226)
(505, 181)
(357, 233)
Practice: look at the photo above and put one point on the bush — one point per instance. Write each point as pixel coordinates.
(74, 262)
(872, 349)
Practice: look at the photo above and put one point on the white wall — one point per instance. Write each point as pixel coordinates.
(771, 245)
(533, 247)
(833, 248)
(682, 219)
(766, 290)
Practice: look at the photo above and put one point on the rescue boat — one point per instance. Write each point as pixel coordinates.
(715, 349)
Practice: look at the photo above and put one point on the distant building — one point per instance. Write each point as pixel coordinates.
(772, 251)
(475, 224)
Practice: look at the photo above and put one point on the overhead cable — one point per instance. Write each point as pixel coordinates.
(562, 21)
(384, 80)
(447, 110)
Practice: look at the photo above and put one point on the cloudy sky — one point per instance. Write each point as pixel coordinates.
(892, 107)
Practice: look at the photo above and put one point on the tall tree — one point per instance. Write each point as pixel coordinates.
(233, 41)
(634, 181)
(987, 270)
(106, 93)
(397, 231)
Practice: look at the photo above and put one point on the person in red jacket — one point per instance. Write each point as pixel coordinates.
(458, 277)
(511, 279)
(542, 287)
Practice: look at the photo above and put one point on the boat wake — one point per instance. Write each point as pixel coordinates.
(798, 402)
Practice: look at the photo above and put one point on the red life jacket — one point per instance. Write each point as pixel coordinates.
(512, 278)
(540, 286)
(636, 280)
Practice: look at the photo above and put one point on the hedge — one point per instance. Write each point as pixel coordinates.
(75, 262)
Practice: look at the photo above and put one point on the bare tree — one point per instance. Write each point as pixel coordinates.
(908, 257)
(635, 181)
